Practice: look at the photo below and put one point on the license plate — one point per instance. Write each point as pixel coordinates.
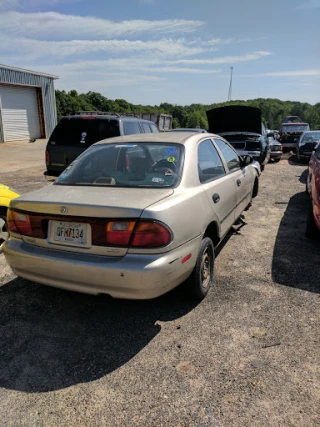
(72, 233)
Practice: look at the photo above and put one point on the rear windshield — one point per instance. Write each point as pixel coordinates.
(83, 132)
(295, 128)
(126, 165)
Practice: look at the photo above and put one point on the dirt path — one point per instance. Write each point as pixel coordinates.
(248, 355)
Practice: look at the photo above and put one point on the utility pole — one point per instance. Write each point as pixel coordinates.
(230, 86)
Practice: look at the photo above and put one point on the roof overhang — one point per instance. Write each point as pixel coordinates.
(21, 70)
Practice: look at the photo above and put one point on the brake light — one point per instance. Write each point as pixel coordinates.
(88, 118)
(144, 234)
(26, 225)
(151, 235)
(119, 233)
(47, 158)
(11, 224)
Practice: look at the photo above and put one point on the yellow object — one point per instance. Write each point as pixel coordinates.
(6, 195)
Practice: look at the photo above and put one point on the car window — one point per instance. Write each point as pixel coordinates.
(146, 127)
(210, 165)
(126, 165)
(131, 128)
(84, 131)
(229, 155)
(294, 128)
(154, 128)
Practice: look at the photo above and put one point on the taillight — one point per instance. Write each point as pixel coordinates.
(119, 233)
(151, 234)
(11, 224)
(47, 158)
(144, 234)
(26, 225)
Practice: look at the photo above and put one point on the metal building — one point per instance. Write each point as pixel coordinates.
(27, 104)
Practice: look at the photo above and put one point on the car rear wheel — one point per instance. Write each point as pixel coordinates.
(201, 278)
(312, 230)
(3, 227)
(262, 167)
(277, 160)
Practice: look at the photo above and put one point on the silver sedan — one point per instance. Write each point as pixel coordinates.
(133, 216)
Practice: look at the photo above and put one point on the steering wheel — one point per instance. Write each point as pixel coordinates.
(163, 164)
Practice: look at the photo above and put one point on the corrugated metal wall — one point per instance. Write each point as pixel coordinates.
(46, 83)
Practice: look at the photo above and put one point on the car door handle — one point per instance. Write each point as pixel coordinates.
(215, 198)
(238, 182)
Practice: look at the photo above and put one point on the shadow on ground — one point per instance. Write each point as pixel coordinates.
(296, 258)
(52, 339)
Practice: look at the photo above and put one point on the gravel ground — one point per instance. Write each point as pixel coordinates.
(248, 355)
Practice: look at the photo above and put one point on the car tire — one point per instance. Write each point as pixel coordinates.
(201, 278)
(3, 226)
(312, 231)
(262, 167)
(277, 160)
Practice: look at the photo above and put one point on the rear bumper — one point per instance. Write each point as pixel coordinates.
(134, 276)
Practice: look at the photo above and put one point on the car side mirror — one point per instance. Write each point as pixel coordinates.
(245, 161)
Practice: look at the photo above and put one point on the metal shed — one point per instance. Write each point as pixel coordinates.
(27, 104)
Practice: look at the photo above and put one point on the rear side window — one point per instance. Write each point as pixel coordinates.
(229, 155)
(83, 132)
(146, 127)
(209, 162)
(131, 128)
(154, 128)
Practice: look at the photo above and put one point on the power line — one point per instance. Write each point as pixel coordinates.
(230, 86)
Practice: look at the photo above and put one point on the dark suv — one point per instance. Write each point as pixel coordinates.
(75, 133)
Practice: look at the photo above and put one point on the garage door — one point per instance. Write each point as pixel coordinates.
(19, 110)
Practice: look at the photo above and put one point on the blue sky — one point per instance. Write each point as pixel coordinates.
(176, 51)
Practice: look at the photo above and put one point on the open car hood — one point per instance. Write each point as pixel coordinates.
(234, 118)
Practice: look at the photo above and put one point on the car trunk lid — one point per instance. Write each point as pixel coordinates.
(90, 210)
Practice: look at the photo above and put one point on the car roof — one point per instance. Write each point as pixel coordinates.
(161, 137)
(106, 117)
(199, 130)
(312, 131)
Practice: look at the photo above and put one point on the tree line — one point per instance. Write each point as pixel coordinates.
(188, 116)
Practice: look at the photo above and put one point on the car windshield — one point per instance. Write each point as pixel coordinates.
(295, 128)
(311, 137)
(126, 165)
(83, 131)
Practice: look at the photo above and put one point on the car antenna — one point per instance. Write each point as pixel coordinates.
(230, 86)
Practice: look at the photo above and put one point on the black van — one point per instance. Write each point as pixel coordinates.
(75, 133)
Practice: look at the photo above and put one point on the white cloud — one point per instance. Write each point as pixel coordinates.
(225, 59)
(309, 4)
(295, 73)
(57, 26)
(34, 49)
